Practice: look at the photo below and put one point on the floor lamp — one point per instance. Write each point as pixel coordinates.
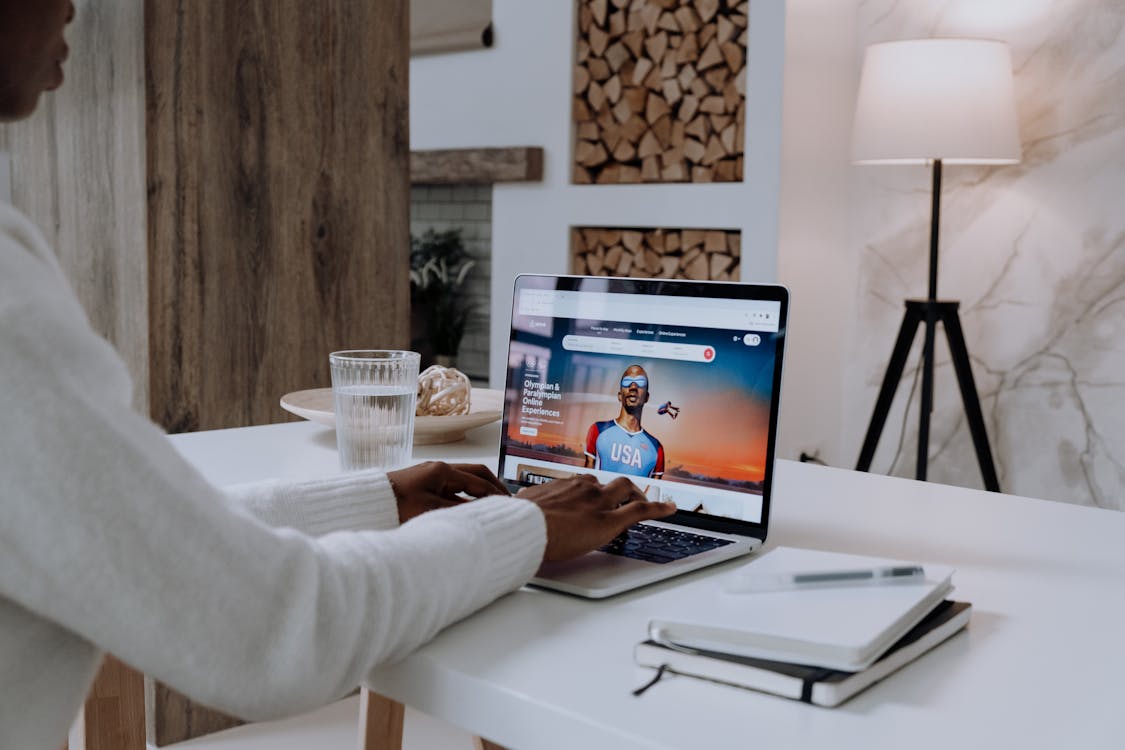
(935, 102)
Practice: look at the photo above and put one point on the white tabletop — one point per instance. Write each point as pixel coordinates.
(1041, 665)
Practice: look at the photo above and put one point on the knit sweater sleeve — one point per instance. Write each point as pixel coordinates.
(348, 502)
(110, 534)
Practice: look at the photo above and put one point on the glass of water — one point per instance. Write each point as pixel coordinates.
(374, 392)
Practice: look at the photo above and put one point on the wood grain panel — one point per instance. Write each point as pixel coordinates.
(380, 722)
(278, 163)
(276, 222)
(113, 715)
(78, 172)
(173, 717)
(476, 166)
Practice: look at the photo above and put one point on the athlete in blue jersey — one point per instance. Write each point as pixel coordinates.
(621, 444)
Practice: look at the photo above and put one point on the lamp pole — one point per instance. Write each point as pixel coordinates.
(907, 91)
(927, 404)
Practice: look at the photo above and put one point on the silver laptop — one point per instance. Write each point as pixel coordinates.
(674, 384)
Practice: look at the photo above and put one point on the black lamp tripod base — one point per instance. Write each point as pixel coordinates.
(931, 313)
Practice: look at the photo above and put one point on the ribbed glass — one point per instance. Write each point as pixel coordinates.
(374, 391)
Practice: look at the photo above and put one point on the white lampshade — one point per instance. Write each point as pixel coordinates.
(948, 99)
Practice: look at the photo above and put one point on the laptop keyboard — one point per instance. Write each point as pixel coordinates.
(659, 544)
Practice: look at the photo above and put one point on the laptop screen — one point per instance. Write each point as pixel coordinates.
(674, 384)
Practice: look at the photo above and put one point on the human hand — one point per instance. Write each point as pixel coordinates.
(583, 515)
(434, 485)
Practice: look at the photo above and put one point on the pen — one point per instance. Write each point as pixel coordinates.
(750, 583)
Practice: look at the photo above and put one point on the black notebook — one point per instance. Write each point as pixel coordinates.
(817, 685)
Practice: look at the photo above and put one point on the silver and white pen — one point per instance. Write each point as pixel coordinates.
(750, 583)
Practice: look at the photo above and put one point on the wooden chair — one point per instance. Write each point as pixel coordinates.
(113, 717)
(380, 724)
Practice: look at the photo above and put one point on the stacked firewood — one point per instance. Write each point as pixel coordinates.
(659, 91)
(697, 254)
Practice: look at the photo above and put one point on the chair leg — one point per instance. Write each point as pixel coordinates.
(380, 722)
(114, 713)
(480, 743)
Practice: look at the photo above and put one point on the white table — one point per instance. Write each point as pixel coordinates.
(1042, 664)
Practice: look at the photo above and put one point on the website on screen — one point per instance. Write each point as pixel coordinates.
(673, 392)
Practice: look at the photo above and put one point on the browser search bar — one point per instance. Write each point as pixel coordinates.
(632, 348)
(748, 315)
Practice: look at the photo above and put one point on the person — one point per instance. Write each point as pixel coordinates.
(621, 444)
(261, 600)
(668, 408)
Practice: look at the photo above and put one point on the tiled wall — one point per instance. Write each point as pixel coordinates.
(468, 207)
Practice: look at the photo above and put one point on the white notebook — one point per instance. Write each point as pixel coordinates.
(841, 627)
(823, 687)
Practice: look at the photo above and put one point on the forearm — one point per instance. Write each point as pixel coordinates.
(348, 502)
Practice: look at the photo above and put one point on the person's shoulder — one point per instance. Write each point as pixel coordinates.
(603, 425)
(33, 288)
(17, 227)
(18, 232)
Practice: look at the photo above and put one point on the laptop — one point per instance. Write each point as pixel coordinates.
(674, 384)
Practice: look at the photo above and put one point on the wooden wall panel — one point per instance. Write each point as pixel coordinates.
(476, 166)
(278, 162)
(78, 172)
(276, 223)
(278, 176)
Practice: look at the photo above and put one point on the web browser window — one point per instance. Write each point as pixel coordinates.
(673, 391)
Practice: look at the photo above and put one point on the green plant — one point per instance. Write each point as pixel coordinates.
(439, 265)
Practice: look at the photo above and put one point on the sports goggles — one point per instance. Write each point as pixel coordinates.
(638, 380)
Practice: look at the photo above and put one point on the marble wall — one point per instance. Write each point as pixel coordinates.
(1035, 253)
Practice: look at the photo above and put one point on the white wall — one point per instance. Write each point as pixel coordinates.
(518, 94)
(1035, 252)
(816, 259)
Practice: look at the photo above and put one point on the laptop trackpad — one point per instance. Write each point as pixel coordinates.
(595, 565)
(596, 571)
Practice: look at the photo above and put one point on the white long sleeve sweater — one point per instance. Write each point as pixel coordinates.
(261, 602)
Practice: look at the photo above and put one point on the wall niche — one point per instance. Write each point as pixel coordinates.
(659, 91)
(656, 253)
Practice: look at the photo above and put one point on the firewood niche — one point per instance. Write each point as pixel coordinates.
(659, 91)
(659, 253)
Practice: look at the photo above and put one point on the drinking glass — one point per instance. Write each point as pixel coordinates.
(374, 392)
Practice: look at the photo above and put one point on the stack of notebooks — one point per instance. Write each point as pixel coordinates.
(810, 625)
